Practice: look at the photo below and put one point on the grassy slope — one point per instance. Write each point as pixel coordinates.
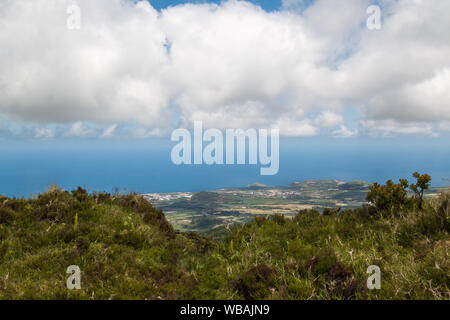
(127, 250)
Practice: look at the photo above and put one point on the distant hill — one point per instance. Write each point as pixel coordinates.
(327, 184)
(310, 184)
(255, 186)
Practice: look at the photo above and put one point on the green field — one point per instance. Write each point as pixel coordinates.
(208, 210)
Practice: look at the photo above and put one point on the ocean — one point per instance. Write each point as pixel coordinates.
(145, 166)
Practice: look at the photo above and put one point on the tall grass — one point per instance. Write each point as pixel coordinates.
(126, 249)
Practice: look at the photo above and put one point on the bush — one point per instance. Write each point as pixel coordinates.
(4, 246)
(7, 216)
(255, 283)
(390, 197)
(393, 197)
(320, 263)
(341, 283)
(157, 218)
(279, 219)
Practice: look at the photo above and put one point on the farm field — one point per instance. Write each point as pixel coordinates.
(208, 210)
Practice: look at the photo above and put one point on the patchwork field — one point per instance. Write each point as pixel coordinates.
(209, 210)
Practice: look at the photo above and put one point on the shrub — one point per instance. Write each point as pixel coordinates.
(341, 283)
(388, 197)
(14, 204)
(393, 197)
(80, 194)
(279, 219)
(7, 216)
(320, 263)
(308, 212)
(255, 283)
(259, 220)
(157, 218)
(4, 246)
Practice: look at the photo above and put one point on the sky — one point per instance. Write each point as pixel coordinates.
(139, 69)
(267, 5)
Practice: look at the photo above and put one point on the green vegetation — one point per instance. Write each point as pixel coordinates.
(126, 249)
(422, 184)
(394, 197)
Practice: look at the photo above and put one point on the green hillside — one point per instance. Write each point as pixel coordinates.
(126, 249)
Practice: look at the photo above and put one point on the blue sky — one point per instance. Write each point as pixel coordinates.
(268, 5)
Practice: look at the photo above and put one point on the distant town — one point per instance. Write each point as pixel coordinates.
(152, 197)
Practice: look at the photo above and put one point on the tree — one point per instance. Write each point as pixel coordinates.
(422, 184)
(388, 197)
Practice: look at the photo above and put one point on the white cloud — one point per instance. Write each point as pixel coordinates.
(294, 128)
(344, 132)
(444, 126)
(230, 65)
(109, 70)
(387, 128)
(329, 119)
(402, 71)
(78, 129)
(142, 133)
(44, 133)
(109, 132)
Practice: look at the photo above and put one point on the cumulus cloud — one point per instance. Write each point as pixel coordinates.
(231, 65)
(294, 128)
(329, 119)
